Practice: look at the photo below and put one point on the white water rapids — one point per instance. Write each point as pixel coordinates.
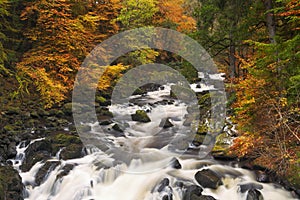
(138, 180)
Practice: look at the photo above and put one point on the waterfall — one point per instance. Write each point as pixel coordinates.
(139, 164)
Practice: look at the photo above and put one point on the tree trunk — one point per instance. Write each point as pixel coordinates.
(270, 20)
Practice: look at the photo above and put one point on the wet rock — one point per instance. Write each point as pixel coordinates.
(208, 179)
(102, 101)
(140, 116)
(65, 171)
(105, 122)
(262, 177)
(116, 127)
(11, 150)
(72, 151)
(103, 111)
(167, 197)
(184, 93)
(254, 194)
(37, 151)
(83, 128)
(44, 171)
(11, 186)
(179, 144)
(202, 197)
(164, 183)
(165, 123)
(192, 192)
(175, 163)
(221, 148)
(250, 186)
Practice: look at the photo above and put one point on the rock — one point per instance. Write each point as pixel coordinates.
(65, 171)
(250, 186)
(202, 197)
(254, 194)
(164, 183)
(167, 197)
(262, 177)
(184, 93)
(72, 146)
(44, 171)
(208, 179)
(84, 128)
(140, 116)
(175, 163)
(102, 101)
(179, 144)
(11, 186)
(105, 122)
(72, 151)
(37, 151)
(165, 123)
(11, 150)
(221, 148)
(12, 111)
(192, 190)
(116, 127)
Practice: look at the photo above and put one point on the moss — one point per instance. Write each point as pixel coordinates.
(66, 139)
(140, 116)
(202, 129)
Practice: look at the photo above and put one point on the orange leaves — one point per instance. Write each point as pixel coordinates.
(173, 11)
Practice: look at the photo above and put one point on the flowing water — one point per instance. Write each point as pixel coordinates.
(140, 161)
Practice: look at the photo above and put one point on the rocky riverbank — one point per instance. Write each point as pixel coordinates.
(28, 121)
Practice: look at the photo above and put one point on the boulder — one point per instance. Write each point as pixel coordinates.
(11, 186)
(254, 194)
(116, 127)
(37, 151)
(250, 186)
(202, 197)
(262, 177)
(72, 151)
(175, 163)
(192, 190)
(140, 116)
(208, 179)
(164, 183)
(165, 123)
(44, 171)
(65, 171)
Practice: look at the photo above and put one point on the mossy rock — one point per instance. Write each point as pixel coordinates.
(72, 151)
(200, 139)
(83, 128)
(103, 111)
(64, 140)
(221, 149)
(182, 93)
(202, 129)
(11, 186)
(140, 116)
(37, 151)
(102, 101)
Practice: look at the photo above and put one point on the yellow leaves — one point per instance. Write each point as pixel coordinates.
(110, 76)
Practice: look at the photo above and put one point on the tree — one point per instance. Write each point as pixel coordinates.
(60, 39)
(9, 35)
